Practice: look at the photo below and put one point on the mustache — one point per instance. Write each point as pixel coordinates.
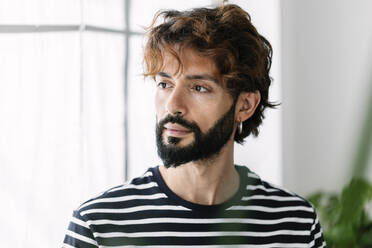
(179, 120)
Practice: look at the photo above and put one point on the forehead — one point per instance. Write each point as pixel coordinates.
(187, 61)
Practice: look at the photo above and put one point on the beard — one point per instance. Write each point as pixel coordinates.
(205, 145)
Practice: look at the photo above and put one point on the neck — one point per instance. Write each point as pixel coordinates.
(205, 182)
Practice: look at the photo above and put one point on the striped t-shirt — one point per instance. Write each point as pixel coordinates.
(146, 213)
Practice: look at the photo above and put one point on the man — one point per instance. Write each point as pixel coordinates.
(211, 68)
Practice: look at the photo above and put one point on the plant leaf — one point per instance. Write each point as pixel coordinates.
(353, 199)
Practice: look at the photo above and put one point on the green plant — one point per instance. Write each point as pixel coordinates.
(343, 216)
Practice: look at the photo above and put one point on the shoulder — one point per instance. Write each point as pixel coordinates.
(138, 188)
(275, 204)
(272, 196)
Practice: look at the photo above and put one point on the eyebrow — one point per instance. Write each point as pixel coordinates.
(192, 77)
(202, 77)
(163, 74)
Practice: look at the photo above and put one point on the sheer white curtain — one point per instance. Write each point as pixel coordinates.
(62, 113)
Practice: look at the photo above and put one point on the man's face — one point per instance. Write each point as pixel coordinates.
(195, 112)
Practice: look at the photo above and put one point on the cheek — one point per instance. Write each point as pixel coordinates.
(211, 113)
(204, 116)
(160, 104)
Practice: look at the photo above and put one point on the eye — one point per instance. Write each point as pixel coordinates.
(163, 85)
(200, 88)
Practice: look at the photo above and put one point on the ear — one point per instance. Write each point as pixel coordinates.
(246, 105)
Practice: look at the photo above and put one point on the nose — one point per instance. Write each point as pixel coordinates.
(176, 102)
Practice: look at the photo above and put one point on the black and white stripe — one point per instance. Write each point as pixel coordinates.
(146, 213)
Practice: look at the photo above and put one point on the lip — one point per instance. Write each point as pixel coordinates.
(173, 129)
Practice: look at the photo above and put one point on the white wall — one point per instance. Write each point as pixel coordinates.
(326, 75)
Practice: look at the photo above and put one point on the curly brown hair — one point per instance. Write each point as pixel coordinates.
(226, 35)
